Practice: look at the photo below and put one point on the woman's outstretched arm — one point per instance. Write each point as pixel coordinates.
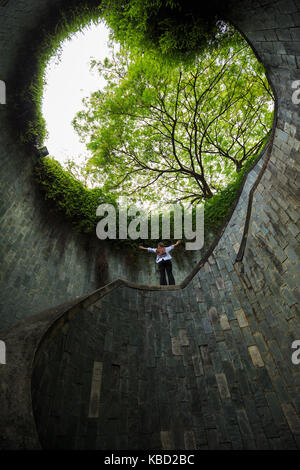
(143, 248)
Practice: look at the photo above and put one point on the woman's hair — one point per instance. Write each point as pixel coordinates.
(161, 244)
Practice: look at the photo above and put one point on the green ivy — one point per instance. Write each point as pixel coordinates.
(218, 207)
(78, 203)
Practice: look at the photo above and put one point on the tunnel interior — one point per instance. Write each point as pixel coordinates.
(206, 366)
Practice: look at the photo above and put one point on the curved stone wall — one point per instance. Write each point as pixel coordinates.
(204, 365)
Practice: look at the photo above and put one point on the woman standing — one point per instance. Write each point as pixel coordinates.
(163, 259)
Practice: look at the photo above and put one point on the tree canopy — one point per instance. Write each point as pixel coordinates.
(176, 132)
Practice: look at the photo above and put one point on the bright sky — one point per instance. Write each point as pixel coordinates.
(68, 81)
